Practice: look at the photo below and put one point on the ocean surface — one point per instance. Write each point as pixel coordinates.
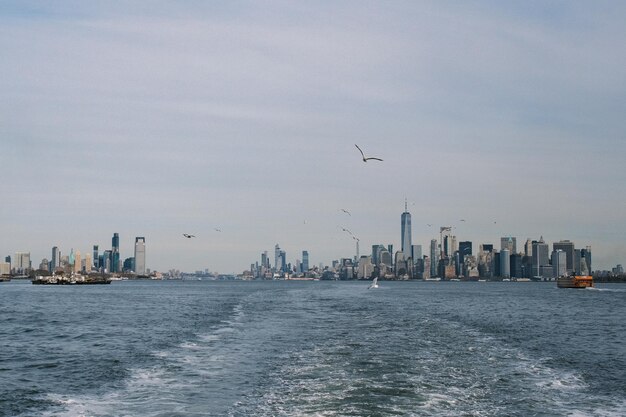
(286, 348)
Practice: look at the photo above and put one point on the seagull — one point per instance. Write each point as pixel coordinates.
(462, 220)
(188, 236)
(218, 229)
(429, 225)
(346, 211)
(363, 155)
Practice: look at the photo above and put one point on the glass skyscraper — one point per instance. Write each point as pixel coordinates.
(405, 231)
(115, 253)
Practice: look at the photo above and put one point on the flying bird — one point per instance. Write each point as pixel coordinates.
(429, 225)
(346, 211)
(188, 236)
(363, 155)
(462, 220)
(218, 229)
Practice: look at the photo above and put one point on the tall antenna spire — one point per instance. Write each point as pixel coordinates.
(405, 205)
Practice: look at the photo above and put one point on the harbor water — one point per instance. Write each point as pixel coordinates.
(288, 348)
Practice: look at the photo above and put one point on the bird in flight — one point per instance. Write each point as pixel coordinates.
(188, 236)
(346, 211)
(462, 220)
(428, 225)
(363, 155)
(217, 229)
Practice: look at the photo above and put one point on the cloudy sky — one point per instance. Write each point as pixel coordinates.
(161, 118)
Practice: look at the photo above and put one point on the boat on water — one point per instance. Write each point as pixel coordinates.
(71, 280)
(575, 281)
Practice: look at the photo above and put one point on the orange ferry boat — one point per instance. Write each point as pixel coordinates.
(575, 281)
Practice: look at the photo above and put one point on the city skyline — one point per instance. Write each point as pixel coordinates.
(237, 124)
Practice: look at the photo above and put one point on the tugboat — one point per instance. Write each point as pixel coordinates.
(575, 281)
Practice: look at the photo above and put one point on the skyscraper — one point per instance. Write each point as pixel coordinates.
(559, 263)
(21, 263)
(56, 259)
(115, 253)
(540, 257)
(465, 249)
(96, 257)
(405, 231)
(276, 257)
(305, 261)
(140, 255)
(505, 263)
(567, 247)
(434, 258)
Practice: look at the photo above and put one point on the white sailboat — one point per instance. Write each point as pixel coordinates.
(374, 284)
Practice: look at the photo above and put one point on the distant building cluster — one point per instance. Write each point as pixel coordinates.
(77, 262)
(445, 259)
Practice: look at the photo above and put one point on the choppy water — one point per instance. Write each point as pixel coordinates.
(312, 349)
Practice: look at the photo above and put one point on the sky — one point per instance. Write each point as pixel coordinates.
(160, 118)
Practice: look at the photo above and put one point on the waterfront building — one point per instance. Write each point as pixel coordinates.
(140, 256)
(55, 262)
(276, 257)
(586, 255)
(5, 268)
(416, 252)
(567, 247)
(505, 263)
(405, 232)
(366, 268)
(385, 258)
(305, 261)
(434, 258)
(115, 253)
(77, 263)
(517, 265)
(106, 260)
(465, 249)
(21, 263)
(96, 257)
(541, 258)
(559, 263)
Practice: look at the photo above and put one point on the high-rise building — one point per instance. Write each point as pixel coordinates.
(444, 232)
(96, 257)
(416, 253)
(528, 248)
(465, 249)
(21, 263)
(405, 231)
(88, 263)
(559, 263)
(486, 247)
(434, 257)
(541, 257)
(77, 262)
(277, 257)
(509, 243)
(505, 263)
(586, 255)
(305, 261)
(567, 247)
(140, 255)
(56, 259)
(115, 253)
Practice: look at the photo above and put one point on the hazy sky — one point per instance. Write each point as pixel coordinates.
(161, 118)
